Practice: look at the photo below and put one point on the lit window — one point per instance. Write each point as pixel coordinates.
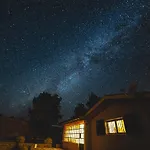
(74, 133)
(77, 140)
(81, 130)
(115, 126)
(81, 125)
(120, 126)
(111, 127)
(82, 141)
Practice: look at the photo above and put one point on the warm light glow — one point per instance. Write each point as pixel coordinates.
(74, 132)
(121, 126)
(115, 126)
(81, 125)
(111, 127)
(35, 146)
(82, 136)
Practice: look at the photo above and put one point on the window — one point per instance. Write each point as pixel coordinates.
(115, 126)
(111, 127)
(120, 126)
(74, 132)
(100, 127)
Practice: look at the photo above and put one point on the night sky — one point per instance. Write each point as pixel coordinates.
(71, 47)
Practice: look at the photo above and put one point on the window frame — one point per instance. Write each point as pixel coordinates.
(71, 132)
(115, 120)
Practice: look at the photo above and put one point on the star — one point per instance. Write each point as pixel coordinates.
(71, 48)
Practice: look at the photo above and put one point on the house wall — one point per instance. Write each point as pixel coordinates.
(70, 146)
(121, 142)
(10, 127)
(87, 136)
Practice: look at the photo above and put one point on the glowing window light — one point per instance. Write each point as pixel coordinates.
(81, 125)
(112, 127)
(121, 126)
(82, 136)
(81, 130)
(82, 141)
(74, 132)
(78, 136)
(115, 126)
(77, 140)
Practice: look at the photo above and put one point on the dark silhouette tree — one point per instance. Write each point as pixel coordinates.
(93, 99)
(44, 114)
(79, 110)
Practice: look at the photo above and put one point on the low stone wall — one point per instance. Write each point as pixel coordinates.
(46, 148)
(31, 146)
(7, 145)
(43, 145)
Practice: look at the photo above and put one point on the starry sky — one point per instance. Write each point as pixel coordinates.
(71, 47)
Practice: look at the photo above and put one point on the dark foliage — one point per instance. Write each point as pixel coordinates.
(44, 114)
(79, 110)
(93, 99)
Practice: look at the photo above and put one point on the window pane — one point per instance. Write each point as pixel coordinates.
(81, 130)
(77, 140)
(77, 131)
(74, 133)
(81, 141)
(78, 136)
(111, 127)
(121, 126)
(81, 125)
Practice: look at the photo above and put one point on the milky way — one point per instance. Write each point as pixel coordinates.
(71, 52)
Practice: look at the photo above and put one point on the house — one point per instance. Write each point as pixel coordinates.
(73, 134)
(11, 127)
(116, 122)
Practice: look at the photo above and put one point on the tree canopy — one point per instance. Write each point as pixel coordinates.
(92, 100)
(79, 110)
(45, 113)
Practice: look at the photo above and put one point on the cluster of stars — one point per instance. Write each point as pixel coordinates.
(71, 48)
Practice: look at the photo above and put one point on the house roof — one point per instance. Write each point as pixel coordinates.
(71, 120)
(107, 100)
